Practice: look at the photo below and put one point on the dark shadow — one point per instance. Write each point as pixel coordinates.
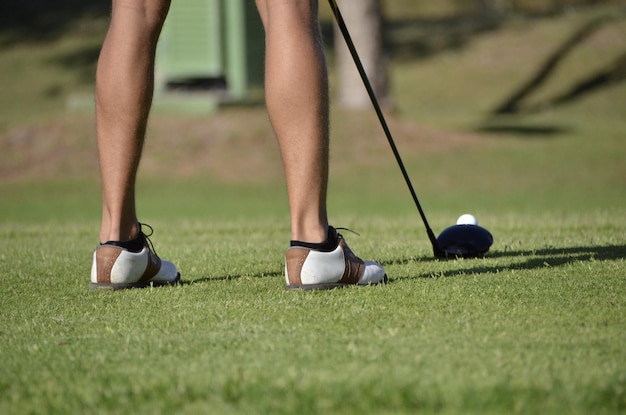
(80, 58)
(539, 131)
(197, 84)
(83, 62)
(419, 38)
(606, 77)
(535, 259)
(603, 78)
(601, 253)
(44, 20)
(203, 280)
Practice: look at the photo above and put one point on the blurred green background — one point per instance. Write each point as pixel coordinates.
(518, 103)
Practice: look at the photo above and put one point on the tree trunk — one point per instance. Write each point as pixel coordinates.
(364, 21)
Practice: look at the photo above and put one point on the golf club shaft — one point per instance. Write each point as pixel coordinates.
(381, 117)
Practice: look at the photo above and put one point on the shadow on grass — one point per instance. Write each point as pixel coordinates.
(418, 37)
(43, 20)
(601, 253)
(502, 120)
(534, 259)
(203, 280)
(605, 77)
(527, 131)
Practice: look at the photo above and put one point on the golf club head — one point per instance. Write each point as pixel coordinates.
(463, 241)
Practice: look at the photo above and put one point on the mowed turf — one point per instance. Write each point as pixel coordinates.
(538, 326)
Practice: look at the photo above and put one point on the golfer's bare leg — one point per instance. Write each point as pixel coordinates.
(124, 86)
(296, 89)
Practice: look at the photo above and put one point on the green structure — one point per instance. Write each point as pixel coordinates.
(209, 43)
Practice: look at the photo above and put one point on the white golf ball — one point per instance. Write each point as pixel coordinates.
(466, 219)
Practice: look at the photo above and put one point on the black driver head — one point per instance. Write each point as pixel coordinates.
(464, 241)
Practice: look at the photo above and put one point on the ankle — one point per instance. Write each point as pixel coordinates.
(328, 245)
(317, 232)
(121, 233)
(135, 244)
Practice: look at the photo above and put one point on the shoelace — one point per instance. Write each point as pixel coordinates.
(346, 229)
(146, 237)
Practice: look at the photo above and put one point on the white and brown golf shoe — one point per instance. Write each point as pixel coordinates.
(310, 269)
(115, 268)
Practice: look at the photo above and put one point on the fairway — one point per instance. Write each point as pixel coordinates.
(538, 326)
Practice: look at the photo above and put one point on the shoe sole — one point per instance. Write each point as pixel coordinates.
(330, 286)
(126, 286)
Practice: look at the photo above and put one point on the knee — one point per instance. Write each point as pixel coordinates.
(147, 14)
(276, 11)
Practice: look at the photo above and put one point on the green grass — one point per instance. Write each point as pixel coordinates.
(538, 326)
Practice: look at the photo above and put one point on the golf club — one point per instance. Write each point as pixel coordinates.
(456, 241)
